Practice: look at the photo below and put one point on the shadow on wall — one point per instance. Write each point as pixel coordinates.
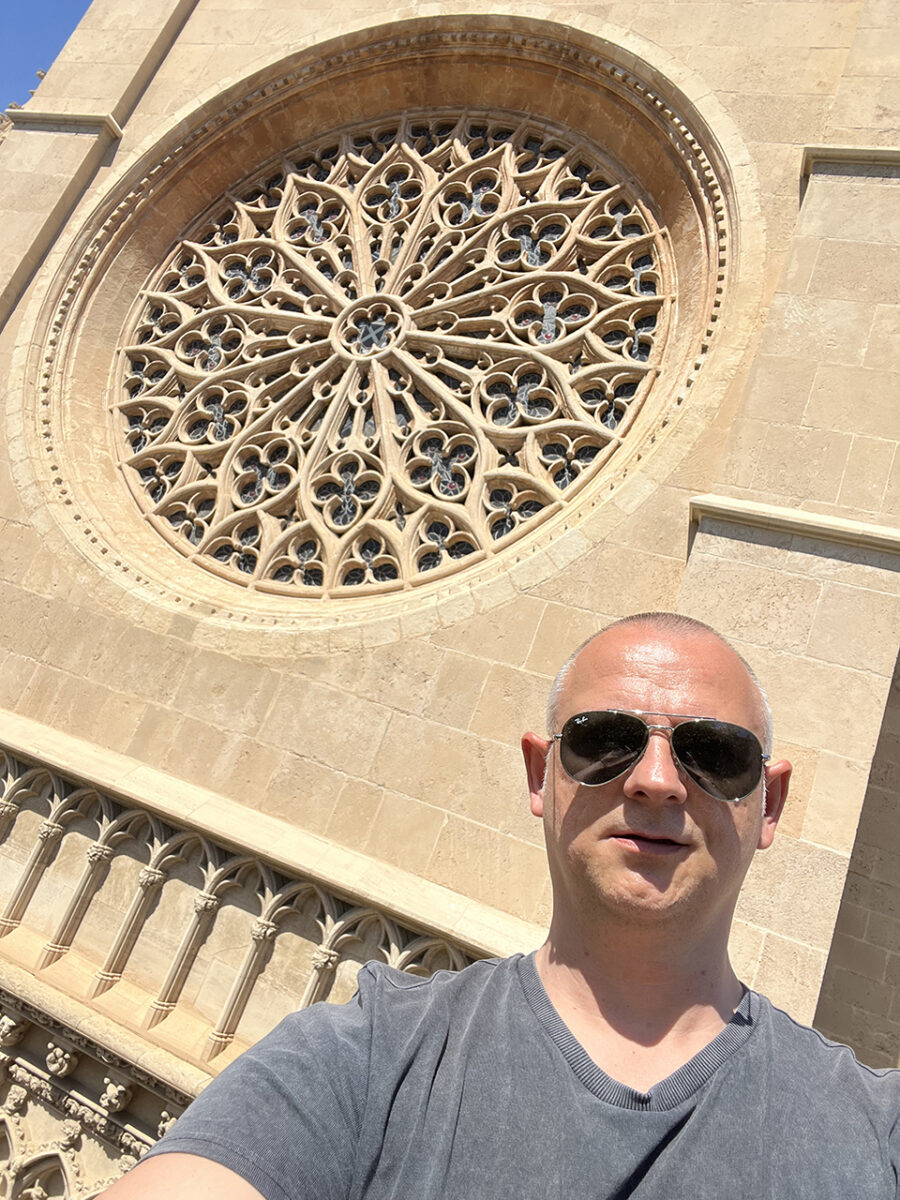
(860, 999)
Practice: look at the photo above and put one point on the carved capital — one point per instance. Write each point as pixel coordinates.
(50, 831)
(98, 852)
(263, 931)
(205, 902)
(324, 959)
(150, 877)
(8, 809)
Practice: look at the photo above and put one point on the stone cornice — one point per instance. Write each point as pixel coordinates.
(862, 156)
(883, 538)
(98, 124)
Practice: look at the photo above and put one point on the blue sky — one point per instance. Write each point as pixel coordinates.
(33, 33)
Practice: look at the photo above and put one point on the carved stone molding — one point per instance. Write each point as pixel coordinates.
(163, 908)
(63, 1117)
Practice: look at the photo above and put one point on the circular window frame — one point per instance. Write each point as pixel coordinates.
(676, 163)
(499, 395)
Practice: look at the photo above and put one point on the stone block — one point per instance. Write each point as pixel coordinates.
(561, 631)
(511, 702)
(302, 791)
(500, 871)
(327, 725)
(873, 996)
(16, 673)
(853, 921)
(818, 329)
(246, 770)
(658, 525)
(794, 889)
(779, 118)
(458, 684)
(854, 399)
(858, 957)
(790, 974)
(615, 580)
(891, 500)
(875, 51)
(353, 816)
(810, 699)
(503, 634)
(800, 265)
(405, 831)
(462, 773)
(832, 204)
(230, 694)
(883, 348)
(856, 628)
(804, 763)
(835, 802)
(802, 465)
(750, 67)
(754, 604)
(853, 270)
(744, 451)
(744, 948)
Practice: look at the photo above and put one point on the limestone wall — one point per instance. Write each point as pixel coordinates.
(756, 484)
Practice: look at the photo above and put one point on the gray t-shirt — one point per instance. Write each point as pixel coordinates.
(469, 1086)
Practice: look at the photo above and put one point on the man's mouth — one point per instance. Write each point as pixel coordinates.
(647, 843)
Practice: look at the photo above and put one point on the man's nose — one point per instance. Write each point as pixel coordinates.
(656, 775)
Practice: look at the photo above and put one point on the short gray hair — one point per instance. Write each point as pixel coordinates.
(667, 622)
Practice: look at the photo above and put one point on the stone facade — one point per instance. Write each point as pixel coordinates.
(360, 363)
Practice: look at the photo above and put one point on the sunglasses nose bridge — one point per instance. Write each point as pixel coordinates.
(658, 767)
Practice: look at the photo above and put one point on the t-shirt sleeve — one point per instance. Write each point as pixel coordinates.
(286, 1115)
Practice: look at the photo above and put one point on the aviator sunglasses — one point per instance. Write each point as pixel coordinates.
(725, 760)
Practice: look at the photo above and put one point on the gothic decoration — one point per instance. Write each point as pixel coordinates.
(392, 354)
(59, 1134)
(152, 862)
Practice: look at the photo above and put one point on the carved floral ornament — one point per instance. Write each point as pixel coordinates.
(392, 353)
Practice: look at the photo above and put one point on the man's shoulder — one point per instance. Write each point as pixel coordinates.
(443, 986)
(813, 1058)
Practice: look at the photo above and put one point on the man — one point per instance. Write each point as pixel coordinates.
(624, 1058)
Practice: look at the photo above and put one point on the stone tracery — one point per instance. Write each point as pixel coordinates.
(394, 355)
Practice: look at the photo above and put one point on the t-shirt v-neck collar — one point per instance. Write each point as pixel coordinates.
(676, 1088)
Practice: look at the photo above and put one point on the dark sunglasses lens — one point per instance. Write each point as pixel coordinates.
(725, 760)
(598, 746)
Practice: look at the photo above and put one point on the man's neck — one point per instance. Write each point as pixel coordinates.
(640, 1004)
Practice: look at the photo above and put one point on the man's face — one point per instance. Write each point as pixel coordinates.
(652, 843)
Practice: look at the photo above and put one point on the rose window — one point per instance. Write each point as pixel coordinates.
(392, 355)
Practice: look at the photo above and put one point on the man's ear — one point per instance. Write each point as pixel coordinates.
(534, 751)
(778, 776)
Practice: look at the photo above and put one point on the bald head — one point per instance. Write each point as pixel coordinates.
(661, 628)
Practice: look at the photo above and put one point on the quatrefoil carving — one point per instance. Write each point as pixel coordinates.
(392, 354)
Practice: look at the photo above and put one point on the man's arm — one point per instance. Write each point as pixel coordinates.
(180, 1177)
